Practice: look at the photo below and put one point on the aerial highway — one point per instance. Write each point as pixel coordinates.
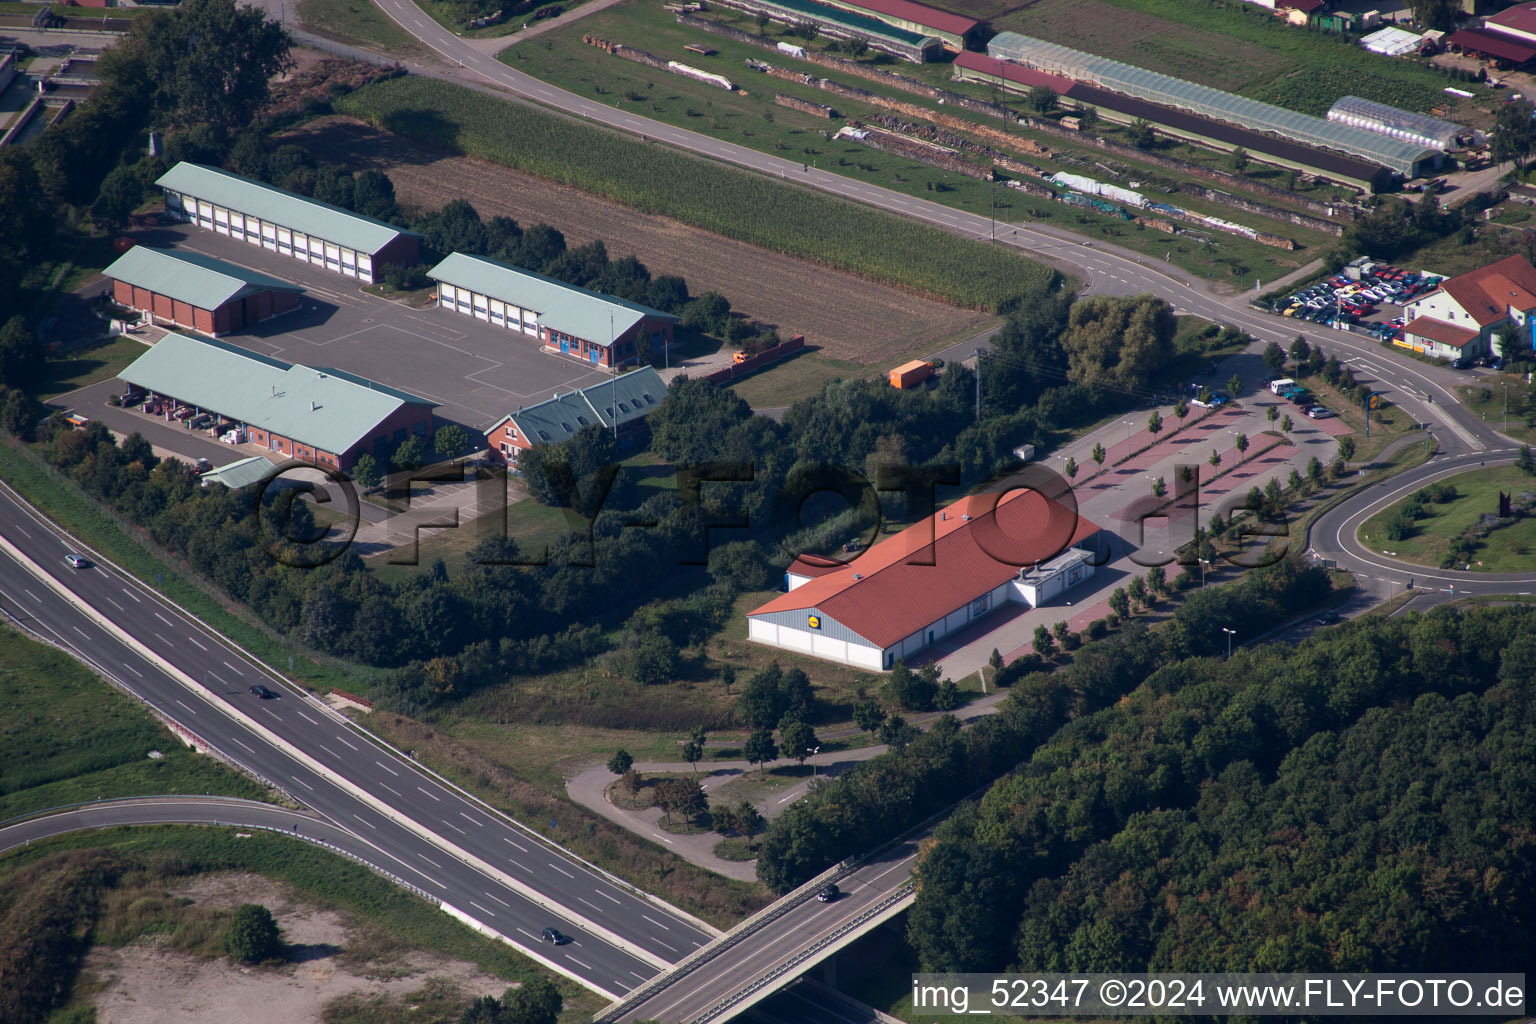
(437, 837)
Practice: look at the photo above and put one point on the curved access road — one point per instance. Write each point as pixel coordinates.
(1335, 534)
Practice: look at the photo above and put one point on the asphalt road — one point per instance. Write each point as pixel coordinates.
(430, 832)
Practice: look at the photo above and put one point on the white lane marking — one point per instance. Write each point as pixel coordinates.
(193, 710)
(391, 790)
(435, 882)
(655, 922)
(575, 961)
(243, 744)
(135, 671)
(517, 864)
(132, 595)
(564, 872)
(343, 739)
(437, 798)
(303, 783)
(306, 718)
(164, 640)
(472, 821)
(607, 897)
(193, 641)
(513, 845)
(217, 679)
(233, 669)
(660, 943)
(32, 595)
(24, 533)
(429, 860)
(163, 619)
(365, 821)
(530, 934)
(641, 977)
(82, 632)
(594, 906)
(113, 603)
(328, 750)
(456, 828)
(489, 913)
(498, 899)
(386, 767)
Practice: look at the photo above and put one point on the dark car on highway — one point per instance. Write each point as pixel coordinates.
(829, 893)
(263, 692)
(556, 936)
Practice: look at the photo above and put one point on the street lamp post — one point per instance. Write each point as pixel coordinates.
(1203, 563)
(814, 752)
(1230, 634)
(1128, 425)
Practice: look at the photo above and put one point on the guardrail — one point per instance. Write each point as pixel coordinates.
(897, 895)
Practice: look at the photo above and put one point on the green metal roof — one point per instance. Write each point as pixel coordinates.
(191, 277)
(317, 406)
(858, 22)
(579, 312)
(295, 212)
(240, 474)
(1201, 99)
(559, 419)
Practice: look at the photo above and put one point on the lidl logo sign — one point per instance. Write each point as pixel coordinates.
(814, 621)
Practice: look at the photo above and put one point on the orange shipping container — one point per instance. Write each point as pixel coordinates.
(910, 374)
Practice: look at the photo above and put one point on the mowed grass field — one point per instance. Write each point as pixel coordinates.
(67, 736)
(1238, 47)
(1510, 549)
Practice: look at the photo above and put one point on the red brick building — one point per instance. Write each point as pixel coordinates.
(199, 292)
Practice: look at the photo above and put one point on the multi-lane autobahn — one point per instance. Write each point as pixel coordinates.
(424, 829)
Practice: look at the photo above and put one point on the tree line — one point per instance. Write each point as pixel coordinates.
(1357, 803)
(880, 798)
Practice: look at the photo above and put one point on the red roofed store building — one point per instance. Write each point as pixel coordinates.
(1458, 319)
(929, 581)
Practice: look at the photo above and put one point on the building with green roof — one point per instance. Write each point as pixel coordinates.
(196, 291)
(316, 414)
(604, 330)
(285, 223)
(240, 473)
(850, 22)
(619, 404)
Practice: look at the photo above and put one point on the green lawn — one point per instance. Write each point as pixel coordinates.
(86, 366)
(69, 736)
(1487, 401)
(749, 117)
(360, 22)
(1509, 549)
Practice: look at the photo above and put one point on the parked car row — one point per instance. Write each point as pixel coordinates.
(1299, 396)
(1340, 297)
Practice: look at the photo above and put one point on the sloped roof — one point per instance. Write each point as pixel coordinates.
(635, 394)
(919, 14)
(1521, 18)
(1439, 330)
(579, 312)
(1491, 44)
(270, 203)
(241, 473)
(1487, 293)
(1012, 72)
(882, 596)
(317, 406)
(191, 277)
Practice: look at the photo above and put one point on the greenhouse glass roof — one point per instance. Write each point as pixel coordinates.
(1200, 99)
(1404, 124)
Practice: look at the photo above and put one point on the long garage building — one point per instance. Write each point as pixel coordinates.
(293, 225)
(316, 414)
(929, 581)
(600, 329)
(195, 291)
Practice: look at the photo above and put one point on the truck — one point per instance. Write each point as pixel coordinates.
(911, 374)
(1283, 384)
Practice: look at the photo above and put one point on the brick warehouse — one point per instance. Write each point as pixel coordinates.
(603, 330)
(196, 291)
(292, 225)
(317, 414)
(620, 404)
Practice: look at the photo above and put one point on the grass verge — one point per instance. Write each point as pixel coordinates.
(360, 22)
(71, 508)
(70, 737)
(736, 203)
(1507, 549)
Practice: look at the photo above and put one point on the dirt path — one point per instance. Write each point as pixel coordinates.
(849, 318)
(144, 983)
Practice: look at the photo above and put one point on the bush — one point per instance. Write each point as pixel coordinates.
(1098, 629)
(253, 935)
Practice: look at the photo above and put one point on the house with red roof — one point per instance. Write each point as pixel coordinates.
(929, 581)
(1459, 318)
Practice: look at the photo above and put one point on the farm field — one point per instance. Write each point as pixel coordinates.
(749, 117)
(1236, 47)
(846, 317)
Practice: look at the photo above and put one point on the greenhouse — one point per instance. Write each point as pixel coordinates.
(1418, 129)
(1405, 158)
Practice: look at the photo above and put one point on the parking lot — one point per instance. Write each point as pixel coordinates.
(477, 372)
(1369, 295)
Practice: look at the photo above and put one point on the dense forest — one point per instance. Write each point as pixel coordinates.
(1363, 802)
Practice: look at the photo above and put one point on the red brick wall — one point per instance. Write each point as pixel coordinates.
(282, 302)
(404, 251)
(406, 417)
(163, 307)
(202, 319)
(122, 294)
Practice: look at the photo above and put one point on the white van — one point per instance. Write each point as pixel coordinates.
(1277, 386)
